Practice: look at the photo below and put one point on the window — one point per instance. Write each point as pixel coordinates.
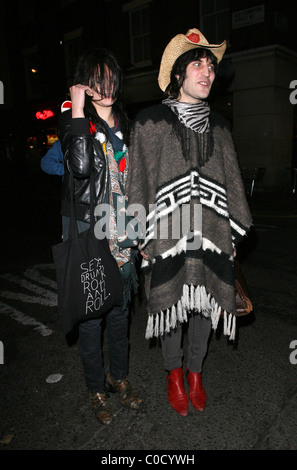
(215, 20)
(140, 32)
(73, 49)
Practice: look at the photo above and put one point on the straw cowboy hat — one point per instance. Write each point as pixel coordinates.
(183, 43)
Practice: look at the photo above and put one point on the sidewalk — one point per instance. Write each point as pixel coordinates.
(279, 202)
(251, 384)
(274, 208)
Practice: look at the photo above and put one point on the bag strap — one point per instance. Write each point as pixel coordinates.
(73, 231)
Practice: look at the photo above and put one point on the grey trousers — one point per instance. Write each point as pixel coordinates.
(199, 329)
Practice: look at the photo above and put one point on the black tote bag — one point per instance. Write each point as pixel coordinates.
(89, 282)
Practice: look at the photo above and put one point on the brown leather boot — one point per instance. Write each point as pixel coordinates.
(101, 407)
(197, 393)
(176, 392)
(127, 395)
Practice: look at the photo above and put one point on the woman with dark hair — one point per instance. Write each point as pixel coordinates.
(94, 135)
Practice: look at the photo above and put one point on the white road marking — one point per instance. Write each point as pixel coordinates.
(28, 298)
(43, 296)
(48, 297)
(25, 319)
(34, 274)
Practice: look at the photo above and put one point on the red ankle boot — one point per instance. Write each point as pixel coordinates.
(197, 393)
(176, 392)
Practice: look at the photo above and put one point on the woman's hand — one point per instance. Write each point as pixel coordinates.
(146, 257)
(77, 96)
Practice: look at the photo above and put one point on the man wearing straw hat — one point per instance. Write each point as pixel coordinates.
(183, 166)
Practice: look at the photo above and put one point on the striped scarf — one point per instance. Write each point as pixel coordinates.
(193, 115)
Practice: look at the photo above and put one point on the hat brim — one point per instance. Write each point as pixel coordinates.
(178, 46)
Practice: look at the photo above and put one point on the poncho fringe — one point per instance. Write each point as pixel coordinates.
(195, 299)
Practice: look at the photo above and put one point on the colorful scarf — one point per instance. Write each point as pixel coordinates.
(117, 158)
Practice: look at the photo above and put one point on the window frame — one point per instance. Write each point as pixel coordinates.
(215, 13)
(131, 8)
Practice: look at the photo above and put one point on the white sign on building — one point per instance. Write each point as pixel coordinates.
(248, 17)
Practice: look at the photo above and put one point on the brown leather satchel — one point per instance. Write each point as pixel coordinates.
(243, 302)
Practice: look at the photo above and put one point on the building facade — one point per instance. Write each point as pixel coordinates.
(41, 41)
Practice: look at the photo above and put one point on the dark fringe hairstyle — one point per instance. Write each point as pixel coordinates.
(180, 66)
(99, 67)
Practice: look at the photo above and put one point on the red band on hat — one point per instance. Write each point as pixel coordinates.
(194, 37)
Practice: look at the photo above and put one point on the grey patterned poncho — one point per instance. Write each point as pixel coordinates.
(177, 174)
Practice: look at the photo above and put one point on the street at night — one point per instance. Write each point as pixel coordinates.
(251, 383)
(166, 104)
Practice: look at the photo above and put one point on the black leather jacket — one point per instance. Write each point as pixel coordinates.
(83, 154)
